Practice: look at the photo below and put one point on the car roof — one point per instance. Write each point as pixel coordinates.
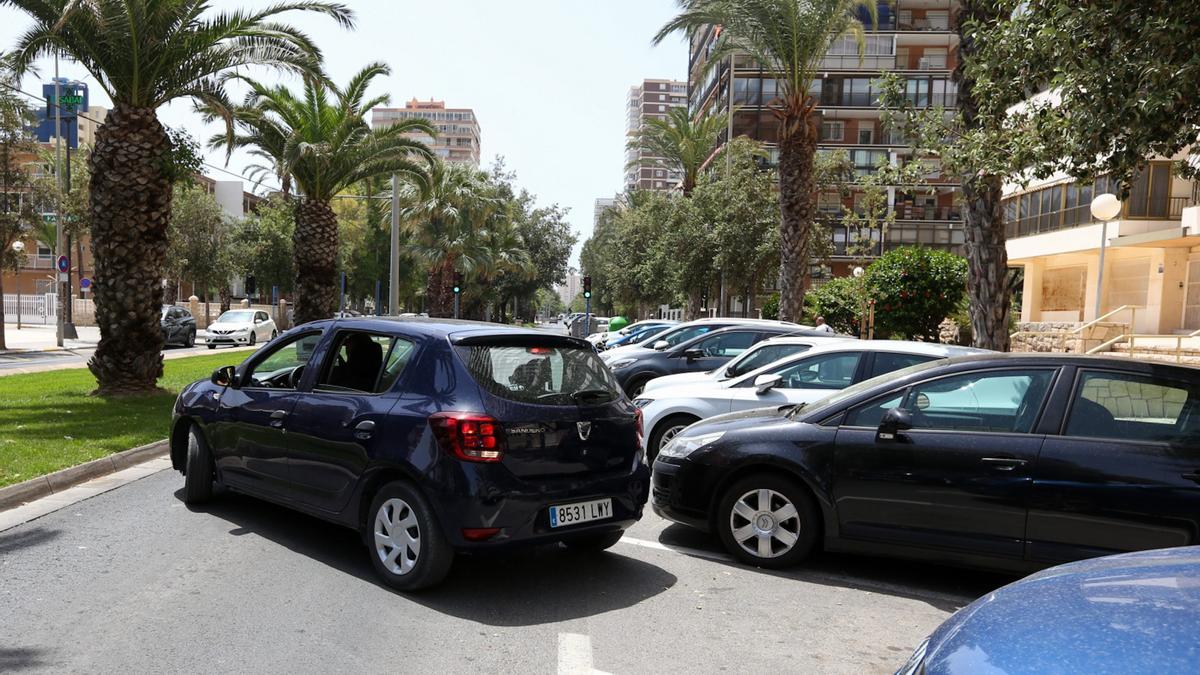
(804, 338)
(437, 327)
(736, 320)
(893, 346)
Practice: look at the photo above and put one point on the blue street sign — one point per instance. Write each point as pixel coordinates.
(64, 264)
(85, 283)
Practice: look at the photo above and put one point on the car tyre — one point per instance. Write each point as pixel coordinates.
(407, 548)
(191, 339)
(211, 346)
(198, 470)
(638, 384)
(274, 334)
(253, 337)
(664, 431)
(768, 521)
(593, 543)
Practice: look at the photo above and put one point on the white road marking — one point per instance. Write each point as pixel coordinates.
(685, 550)
(574, 654)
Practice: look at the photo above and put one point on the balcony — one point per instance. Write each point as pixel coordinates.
(854, 62)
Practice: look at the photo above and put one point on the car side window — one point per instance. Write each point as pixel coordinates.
(260, 316)
(764, 355)
(886, 362)
(364, 362)
(823, 371)
(685, 334)
(870, 414)
(1006, 401)
(726, 344)
(279, 370)
(1134, 407)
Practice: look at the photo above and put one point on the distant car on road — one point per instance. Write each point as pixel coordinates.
(757, 356)
(1005, 461)
(178, 326)
(240, 327)
(800, 378)
(1130, 613)
(429, 437)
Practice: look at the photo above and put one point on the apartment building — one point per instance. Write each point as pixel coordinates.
(571, 288)
(651, 100)
(1151, 252)
(458, 138)
(915, 39)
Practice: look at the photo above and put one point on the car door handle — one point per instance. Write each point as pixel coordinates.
(364, 429)
(277, 418)
(1004, 463)
(1194, 476)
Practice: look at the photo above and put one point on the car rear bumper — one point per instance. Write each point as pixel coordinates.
(678, 494)
(523, 514)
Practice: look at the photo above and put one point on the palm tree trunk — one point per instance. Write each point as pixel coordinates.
(130, 204)
(797, 199)
(439, 291)
(170, 292)
(987, 257)
(316, 242)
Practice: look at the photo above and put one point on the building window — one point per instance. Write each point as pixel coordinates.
(833, 130)
(866, 136)
(662, 108)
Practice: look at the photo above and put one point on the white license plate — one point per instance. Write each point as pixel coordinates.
(580, 512)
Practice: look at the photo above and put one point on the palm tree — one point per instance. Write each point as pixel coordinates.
(680, 142)
(322, 141)
(144, 54)
(789, 38)
(445, 223)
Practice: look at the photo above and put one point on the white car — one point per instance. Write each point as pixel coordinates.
(602, 339)
(765, 352)
(673, 335)
(240, 327)
(794, 380)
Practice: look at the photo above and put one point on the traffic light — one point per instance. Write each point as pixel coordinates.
(587, 287)
(458, 282)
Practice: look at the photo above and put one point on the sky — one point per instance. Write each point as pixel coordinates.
(548, 79)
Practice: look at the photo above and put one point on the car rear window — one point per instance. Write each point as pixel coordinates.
(545, 375)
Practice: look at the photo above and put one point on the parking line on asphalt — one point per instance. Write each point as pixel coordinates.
(575, 655)
(685, 550)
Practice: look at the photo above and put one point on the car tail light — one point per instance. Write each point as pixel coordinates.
(468, 436)
(637, 414)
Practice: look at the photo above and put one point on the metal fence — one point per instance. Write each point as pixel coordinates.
(37, 308)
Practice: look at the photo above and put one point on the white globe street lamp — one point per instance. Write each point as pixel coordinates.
(18, 246)
(858, 272)
(1105, 207)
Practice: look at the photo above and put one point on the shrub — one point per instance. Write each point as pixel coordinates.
(914, 289)
(770, 308)
(839, 301)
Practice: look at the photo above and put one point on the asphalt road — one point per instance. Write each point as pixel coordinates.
(34, 361)
(134, 581)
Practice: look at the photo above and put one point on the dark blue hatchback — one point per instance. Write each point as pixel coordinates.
(431, 437)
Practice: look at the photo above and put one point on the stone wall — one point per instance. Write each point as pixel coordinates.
(1045, 343)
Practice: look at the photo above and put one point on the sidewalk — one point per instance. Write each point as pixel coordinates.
(36, 337)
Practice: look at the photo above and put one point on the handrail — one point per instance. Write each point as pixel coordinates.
(1067, 335)
(1132, 337)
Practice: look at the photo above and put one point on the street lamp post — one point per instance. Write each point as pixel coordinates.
(862, 309)
(1105, 207)
(19, 247)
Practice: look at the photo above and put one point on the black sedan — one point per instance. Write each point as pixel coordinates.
(712, 346)
(1004, 461)
(178, 326)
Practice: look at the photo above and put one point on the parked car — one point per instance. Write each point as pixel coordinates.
(800, 378)
(686, 331)
(429, 437)
(178, 326)
(603, 339)
(1130, 613)
(757, 356)
(704, 351)
(1006, 461)
(639, 335)
(240, 327)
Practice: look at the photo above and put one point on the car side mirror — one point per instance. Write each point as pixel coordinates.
(693, 354)
(766, 382)
(894, 421)
(225, 376)
(661, 345)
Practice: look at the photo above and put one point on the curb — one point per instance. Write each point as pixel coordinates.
(43, 486)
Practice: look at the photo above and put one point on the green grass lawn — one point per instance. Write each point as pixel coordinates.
(49, 422)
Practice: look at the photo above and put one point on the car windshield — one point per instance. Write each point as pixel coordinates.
(236, 316)
(754, 359)
(680, 334)
(816, 409)
(545, 375)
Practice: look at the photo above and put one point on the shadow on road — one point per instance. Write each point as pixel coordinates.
(20, 658)
(940, 586)
(521, 588)
(18, 540)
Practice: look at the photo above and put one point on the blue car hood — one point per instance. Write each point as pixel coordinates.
(1130, 613)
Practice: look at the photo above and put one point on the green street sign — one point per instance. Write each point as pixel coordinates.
(70, 99)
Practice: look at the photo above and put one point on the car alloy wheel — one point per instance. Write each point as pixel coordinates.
(768, 520)
(253, 336)
(397, 536)
(765, 523)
